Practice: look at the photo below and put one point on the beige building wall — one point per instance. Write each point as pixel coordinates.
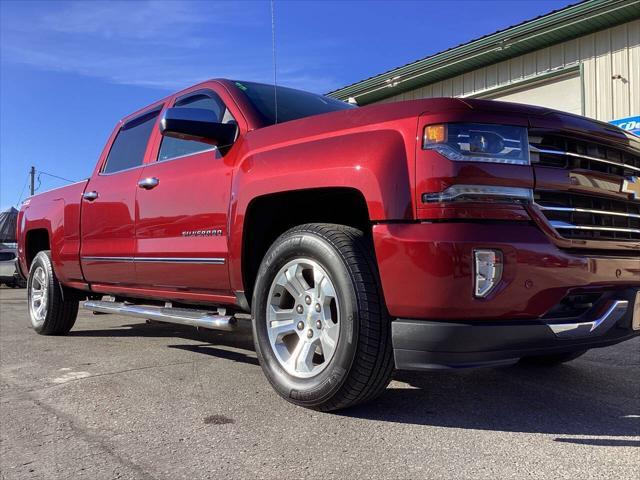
(606, 62)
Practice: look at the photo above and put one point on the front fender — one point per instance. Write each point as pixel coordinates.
(377, 163)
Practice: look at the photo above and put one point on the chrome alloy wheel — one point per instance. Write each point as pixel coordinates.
(38, 296)
(303, 318)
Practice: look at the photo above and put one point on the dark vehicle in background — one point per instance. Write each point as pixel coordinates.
(9, 275)
(440, 233)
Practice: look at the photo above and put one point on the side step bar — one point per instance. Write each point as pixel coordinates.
(182, 316)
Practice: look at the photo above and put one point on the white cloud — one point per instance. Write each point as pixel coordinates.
(124, 19)
(157, 43)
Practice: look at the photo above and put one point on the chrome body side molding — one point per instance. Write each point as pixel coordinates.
(106, 259)
(202, 260)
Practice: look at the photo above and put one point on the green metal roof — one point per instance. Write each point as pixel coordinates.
(555, 27)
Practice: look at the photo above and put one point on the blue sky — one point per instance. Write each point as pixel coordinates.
(70, 70)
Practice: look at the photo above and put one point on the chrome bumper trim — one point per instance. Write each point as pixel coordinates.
(608, 316)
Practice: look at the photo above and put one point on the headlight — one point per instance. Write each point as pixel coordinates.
(477, 142)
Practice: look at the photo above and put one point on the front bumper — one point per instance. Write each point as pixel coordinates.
(426, 270)
(420, 344)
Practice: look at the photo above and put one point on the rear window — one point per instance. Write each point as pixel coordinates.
(292, 103)
(129, 146)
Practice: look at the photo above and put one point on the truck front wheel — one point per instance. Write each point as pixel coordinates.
(52, 310)
(321, 330)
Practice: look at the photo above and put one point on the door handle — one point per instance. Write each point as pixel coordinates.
(91, 196)
(148, 183)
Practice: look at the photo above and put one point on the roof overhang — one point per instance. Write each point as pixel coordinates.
(555, 27)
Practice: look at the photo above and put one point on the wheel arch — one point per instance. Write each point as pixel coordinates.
(269, 216)
(36, 240)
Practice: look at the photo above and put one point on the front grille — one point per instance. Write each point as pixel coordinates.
(589, 217)
(594, 215)
(571, 154)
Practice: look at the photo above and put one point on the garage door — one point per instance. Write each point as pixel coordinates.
(563, 93)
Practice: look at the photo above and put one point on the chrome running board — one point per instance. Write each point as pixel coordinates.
(182, 316)
(605, 319)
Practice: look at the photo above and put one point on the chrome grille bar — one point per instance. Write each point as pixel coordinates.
(590, 213)
(535, 149)
(559, 225)
(588, 210)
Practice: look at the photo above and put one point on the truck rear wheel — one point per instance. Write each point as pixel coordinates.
(52, 310)
(321, 330)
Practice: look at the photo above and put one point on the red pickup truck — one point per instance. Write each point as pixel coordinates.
(438, 233)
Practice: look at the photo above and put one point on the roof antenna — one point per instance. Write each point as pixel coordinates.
(275, 70)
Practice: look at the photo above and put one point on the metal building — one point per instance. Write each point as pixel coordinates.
(583, 59)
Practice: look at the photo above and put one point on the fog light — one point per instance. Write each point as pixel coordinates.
(488, 271)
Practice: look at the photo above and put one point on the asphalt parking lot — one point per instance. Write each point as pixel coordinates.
(119, 398)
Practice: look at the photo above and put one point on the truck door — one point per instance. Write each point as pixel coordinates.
(182, 204)
(108, 205)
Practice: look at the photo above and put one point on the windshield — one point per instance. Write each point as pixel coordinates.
(292, 104)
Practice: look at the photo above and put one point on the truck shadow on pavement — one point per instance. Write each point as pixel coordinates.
(237, 341)
(571, 399)
(564, 400)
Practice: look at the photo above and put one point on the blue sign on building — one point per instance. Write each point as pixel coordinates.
(630, 124)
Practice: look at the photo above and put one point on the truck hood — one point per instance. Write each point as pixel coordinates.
(384, 116)
(542, 117)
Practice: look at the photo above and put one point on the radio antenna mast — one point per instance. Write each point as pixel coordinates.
(275, 69)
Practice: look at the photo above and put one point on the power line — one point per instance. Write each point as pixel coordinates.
(31, 172)
(26, 180)
(40, 172)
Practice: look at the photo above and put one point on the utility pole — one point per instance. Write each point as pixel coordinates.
(32, 173)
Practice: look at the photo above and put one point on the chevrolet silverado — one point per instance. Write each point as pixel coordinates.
(436, 233)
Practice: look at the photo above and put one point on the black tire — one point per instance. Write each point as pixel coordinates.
(551, 360)
(60, 304)
(362, 364)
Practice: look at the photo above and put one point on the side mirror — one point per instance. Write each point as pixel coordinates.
(197, 124)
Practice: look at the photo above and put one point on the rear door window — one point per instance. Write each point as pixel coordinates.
(172, 147)
(130, 145)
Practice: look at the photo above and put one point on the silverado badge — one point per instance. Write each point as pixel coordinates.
(631, 186)
(209, 232)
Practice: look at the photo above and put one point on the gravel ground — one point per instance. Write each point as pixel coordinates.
(118, 398)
